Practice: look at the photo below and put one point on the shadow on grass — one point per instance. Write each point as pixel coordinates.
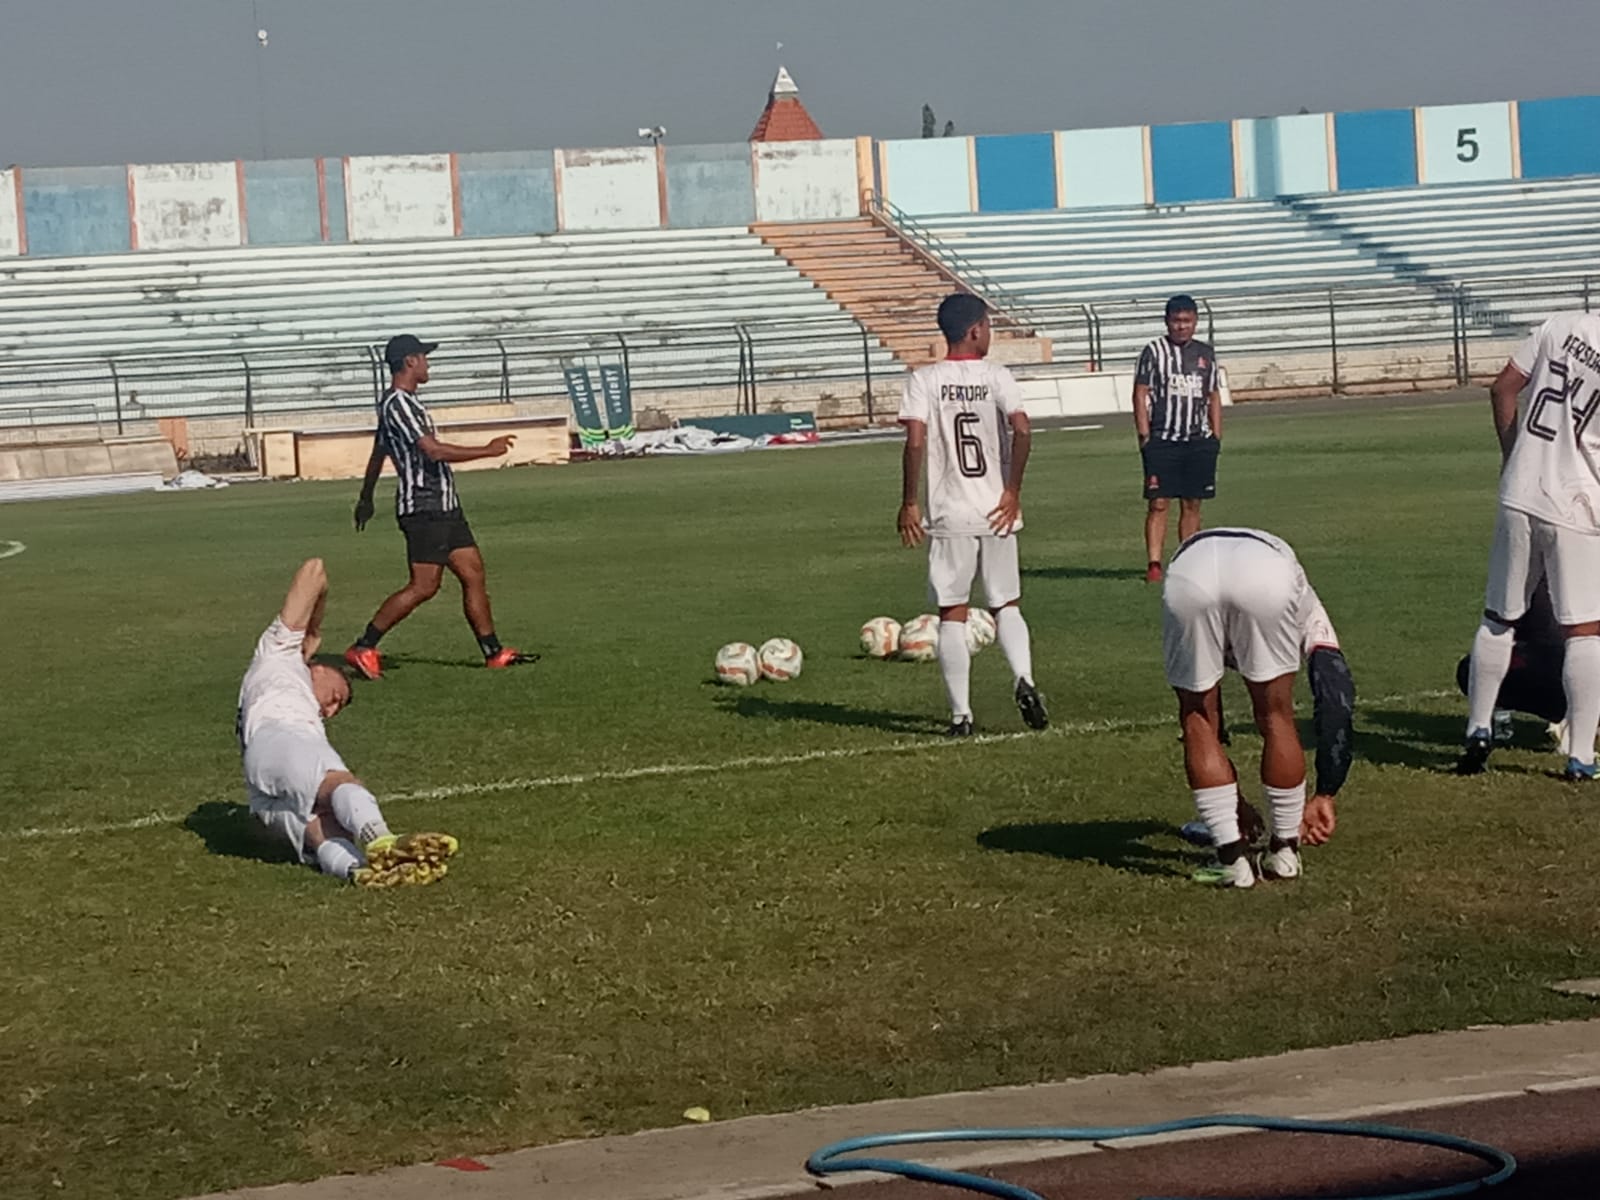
(1119, 845)
(825, 712)
(1430, 741)
(1068, 572)
(230, 831)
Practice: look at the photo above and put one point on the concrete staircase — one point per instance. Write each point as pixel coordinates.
(888, 284)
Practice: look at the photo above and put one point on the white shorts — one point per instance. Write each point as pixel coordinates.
(284, 766)
(1232, 602)
(1526, 550)
(954, 561)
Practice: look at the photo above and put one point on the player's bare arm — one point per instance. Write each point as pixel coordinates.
(1503, 395)
(1214, 412)
(449, 452)
(307, 594)
(1006, 513)
(909, 521)
(1141, 412)
(369, 483)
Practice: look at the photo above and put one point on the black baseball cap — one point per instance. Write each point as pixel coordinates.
(1182, 302)
(402, 347)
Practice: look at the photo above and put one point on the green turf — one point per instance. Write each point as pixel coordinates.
(181, 1013)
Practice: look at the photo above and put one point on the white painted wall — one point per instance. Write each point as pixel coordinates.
(10, 239)
(184, 206)
(806, 181)
(391, 197)
(609, 189)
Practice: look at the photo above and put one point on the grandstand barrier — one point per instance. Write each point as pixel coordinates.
(115, 456)
(342, 451)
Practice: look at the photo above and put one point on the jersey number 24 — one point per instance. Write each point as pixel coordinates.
(1565, 394)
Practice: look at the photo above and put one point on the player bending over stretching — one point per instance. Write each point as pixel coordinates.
(965, 416)
(299, 786)
(1238, 597)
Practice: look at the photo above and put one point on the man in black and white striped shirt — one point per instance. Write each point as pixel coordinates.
(1177, 411)
(427, 509)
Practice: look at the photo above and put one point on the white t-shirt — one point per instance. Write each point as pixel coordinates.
(277, 687)
(1553, 472)
(966, 403)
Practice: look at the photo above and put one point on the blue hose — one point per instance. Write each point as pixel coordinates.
(830, 1159)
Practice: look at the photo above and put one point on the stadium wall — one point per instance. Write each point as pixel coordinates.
(1016, 173)
(283, 202)
(1282, 156)
(506, 194)
(100, 210)
(709, 186)
(1100, 167)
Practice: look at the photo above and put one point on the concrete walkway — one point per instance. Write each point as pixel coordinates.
(763, 1156)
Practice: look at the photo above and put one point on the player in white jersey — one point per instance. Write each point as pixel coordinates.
(965, 417)
(299, 787)
(1239, 598)
(1548, 528)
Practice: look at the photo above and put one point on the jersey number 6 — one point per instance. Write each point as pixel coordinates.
(969, 447)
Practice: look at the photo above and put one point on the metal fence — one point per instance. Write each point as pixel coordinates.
(1453, 331)
(740, 363)
(1332, 336)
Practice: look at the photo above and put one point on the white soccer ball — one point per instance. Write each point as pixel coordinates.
(981, 629)
(880, 637)
(738, 664)
(919, 638)
(780, 660)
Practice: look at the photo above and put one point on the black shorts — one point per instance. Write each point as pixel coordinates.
(1180, 470)
(432, 536)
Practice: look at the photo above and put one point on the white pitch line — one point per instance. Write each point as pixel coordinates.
(456, 791)
(11, 549)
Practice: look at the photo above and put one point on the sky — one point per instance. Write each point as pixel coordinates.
(86, 82)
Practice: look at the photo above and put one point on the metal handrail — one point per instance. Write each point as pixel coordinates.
(970, 275)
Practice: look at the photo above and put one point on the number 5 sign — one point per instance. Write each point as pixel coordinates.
(1461, 142)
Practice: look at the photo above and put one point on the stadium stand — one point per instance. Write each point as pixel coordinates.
(672, 296)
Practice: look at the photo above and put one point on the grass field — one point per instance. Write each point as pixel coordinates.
(813, 899)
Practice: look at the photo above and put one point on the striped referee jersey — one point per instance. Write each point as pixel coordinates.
(422, 485)
(1181, 380)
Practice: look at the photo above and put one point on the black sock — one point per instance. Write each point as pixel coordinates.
(1279, 843)
(369, 639)
(489, 644)
(1232, 852)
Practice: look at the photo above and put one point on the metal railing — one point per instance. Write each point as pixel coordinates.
(1450, 325)
(999, 297)
(1333, 336)
(736, 365)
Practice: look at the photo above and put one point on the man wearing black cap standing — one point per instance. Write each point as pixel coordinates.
(428, 511)
(1177, 411)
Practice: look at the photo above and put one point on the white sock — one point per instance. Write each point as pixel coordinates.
(955, 664)
(1580, 676)
(357, 810)
(1288, 807)
(339, 858)
(1011, 631)
(1219, 809)
(1491, 659)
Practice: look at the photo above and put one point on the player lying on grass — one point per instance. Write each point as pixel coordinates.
(1239, 598)
(299, 787)
(965, 417)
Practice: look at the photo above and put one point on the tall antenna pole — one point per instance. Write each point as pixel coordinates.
(261, 84)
